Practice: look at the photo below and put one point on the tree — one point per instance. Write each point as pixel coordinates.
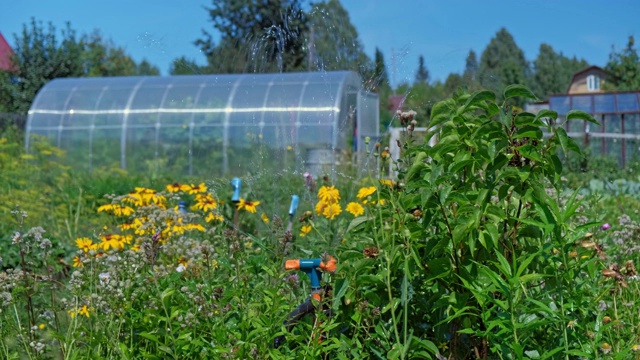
(552, 72)
(470, 67)
(624, 67)
(380, 78)
(39, 56)
(184, 66)
(422, 74)
(502, 63)
(333, 41)
(256, 35)
(102, 58)
(145, 68)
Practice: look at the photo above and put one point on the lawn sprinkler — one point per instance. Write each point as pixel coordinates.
(182, 207)
(236, 184)
(313, 269)
(292, 210)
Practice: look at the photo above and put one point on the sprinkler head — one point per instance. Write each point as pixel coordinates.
(236, 183)
(294, 204)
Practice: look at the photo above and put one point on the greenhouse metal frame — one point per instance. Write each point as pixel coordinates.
(204, 123)
(619, 116)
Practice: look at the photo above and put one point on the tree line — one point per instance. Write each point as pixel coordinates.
(294, 35)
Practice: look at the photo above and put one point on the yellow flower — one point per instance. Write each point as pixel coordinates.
(365, 192)
(329, 194)
(84, 310)
(355, 209)
(264, 218)
(331, 211)
(635, 348)
(136, 247)
(182, 261)
(111, 241)
(106, 207)
(85, 244)
(386, 182)
(205, 202)
(305, 230)
(174, 188)
(605, 348)
(126, 226)
(77, 262)
(212, 216)
(320, 206)
(72, 313)
(249, 206)
(195, 189)
(41, 326)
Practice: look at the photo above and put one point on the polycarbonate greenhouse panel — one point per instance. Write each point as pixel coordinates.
(201, 123)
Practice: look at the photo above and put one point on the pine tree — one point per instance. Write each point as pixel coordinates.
(502, 63)
(422, 74)
(470, 67)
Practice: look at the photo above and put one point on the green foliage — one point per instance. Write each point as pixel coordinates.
(552, 72)
(477, 250)
(184, 66)
(624, 67)
(333, 41)
(502, 63)
(257, 36)
(39, 56)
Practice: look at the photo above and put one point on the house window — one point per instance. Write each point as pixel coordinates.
(593, 83)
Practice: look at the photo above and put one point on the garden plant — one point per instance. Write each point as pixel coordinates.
(474, 248)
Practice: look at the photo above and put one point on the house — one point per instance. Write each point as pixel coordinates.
(5, 55)
(588, 81)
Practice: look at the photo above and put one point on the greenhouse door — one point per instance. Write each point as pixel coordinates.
(368, 119)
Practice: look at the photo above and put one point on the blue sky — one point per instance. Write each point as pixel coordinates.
(442, 30)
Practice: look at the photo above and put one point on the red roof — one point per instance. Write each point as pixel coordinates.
(396, 102)
(5, 55)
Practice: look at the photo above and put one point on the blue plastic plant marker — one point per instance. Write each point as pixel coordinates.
(236, 183)
(294, 204)
(182, 207)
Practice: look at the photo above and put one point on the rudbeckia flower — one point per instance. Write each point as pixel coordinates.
(249, 206)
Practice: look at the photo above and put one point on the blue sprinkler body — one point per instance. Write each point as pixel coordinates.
(182, 207)
(294, 204)
(310, 267)
(236, 183)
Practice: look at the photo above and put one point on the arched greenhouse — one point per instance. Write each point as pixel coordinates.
(205, 124)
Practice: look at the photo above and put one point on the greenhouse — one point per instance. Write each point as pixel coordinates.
(206, 124)
(619, 116)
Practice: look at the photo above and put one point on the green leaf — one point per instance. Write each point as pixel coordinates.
(581, 115)
(503, 264)
(166, 293)
(517, 90)
(441, 112)
(357, 221)
(528, 131)
(546, 114)
(479, 97)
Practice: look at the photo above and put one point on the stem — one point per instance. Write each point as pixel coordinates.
(390, 294)
(26, 349)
